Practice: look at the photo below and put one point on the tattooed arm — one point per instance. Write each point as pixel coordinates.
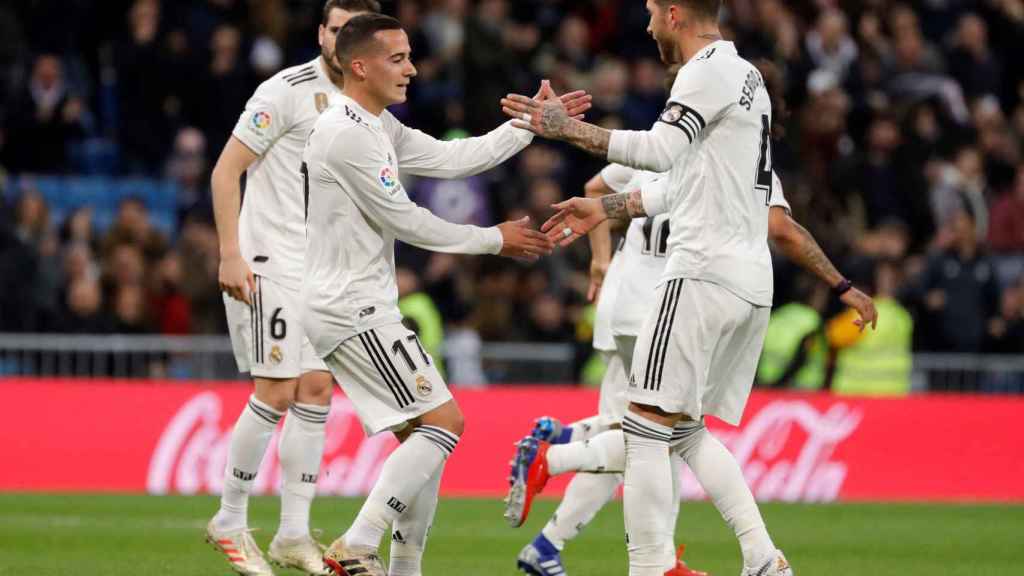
(624, 206)
(800, 246)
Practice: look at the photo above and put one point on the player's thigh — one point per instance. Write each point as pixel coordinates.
(388, 376)
(734, 361)
(240, 328)
(316, 383)
(612, 402)
(277, 336)
(672, 352)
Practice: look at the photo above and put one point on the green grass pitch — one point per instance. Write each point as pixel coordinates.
(112, 535)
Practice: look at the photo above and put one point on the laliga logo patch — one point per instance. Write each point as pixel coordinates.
(423, 386)
(388, 180)
(261, 121)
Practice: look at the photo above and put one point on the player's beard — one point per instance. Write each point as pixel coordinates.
(667, 51)
(331, 62)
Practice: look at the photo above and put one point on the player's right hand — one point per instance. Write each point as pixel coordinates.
(236, 278)
(523, 243)
(598, 270)
(575, 218)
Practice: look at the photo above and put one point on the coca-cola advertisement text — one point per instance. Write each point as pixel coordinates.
(172, 437)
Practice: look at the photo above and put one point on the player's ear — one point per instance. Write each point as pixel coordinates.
(358, 68)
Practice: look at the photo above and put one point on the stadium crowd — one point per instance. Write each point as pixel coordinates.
(901, 154)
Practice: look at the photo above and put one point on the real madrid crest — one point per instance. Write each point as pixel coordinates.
(276, 356)
(423, 386)
(320, 99)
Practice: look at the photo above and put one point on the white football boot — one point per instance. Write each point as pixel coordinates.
(346, 561)
(776, 566)
(240, 550)
(304, 554)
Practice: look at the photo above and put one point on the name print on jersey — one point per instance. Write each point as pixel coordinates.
(750, 86)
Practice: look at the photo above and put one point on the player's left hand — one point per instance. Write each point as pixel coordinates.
(576, 102)
(864, 306)
(575, 218)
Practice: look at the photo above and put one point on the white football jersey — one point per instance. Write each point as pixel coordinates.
(642, 259)
(357, 208)
(619, 179)
(275, 124)
(719, 116)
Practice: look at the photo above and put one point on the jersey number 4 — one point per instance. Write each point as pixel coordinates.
(763, 182)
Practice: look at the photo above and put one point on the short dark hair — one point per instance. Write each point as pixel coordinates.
(359, 32)
(708, 9)
(372, 6)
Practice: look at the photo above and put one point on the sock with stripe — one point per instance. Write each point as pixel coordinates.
(249, 441)
(647, 494)
(584, 498)
(721, 477)
(409, 532)
(405, 474)
(300, 451)
(605, 452)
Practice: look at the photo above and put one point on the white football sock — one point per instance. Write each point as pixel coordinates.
(405, 473)
(584, 498)
(721, 477)
(300, 451)
(647, 494)
(409, 532)
(605, 452)
(249, 440)
(586, 429)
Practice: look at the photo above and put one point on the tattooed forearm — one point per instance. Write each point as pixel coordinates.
(588, 137)
(625, 206)
(809, 255)
(556, 123)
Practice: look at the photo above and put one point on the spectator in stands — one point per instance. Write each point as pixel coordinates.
(971, 61)
(200, 255)
(84, 312)
(189, 168)
(133, 226)
(958, 292)
(145, 95)
(78, 228)
(43, 120)
(171, 309)
(829, 45)
(1006, 233)
(130, 314)
(224, 88)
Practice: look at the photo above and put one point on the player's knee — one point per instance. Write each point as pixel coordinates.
(315, 388)
(448, 416)
(276, 393)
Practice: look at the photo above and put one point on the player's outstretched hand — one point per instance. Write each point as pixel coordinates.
(545, 113)
(576, 102)
(864, 306)
(575, 218)
(236, 278)
(523, 243)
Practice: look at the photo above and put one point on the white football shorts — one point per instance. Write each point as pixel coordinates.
(388, 376)
(267, 337)
(698, 350)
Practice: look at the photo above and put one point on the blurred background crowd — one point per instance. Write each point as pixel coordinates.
(901, 154)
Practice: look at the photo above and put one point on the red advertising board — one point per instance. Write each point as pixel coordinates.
(165, 437)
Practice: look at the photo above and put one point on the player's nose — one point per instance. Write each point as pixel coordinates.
(411, 70)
